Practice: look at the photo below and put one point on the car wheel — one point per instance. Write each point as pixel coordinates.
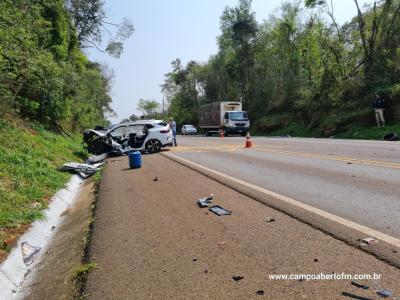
(153, 146)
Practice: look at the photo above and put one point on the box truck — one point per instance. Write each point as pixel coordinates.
(223, 115)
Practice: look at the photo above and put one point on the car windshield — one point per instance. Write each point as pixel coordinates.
(189, 127)
(161, 123)
(238, 115)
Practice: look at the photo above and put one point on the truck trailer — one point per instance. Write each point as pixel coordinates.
(223, 115)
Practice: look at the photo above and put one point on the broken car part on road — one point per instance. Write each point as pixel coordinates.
(203, 202)
(83, 170)
(219, 210)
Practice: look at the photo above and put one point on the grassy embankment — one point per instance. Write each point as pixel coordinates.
(29, 156)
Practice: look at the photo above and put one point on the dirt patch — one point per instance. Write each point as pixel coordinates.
(54, 276)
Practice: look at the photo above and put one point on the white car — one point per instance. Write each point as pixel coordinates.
(143, 135)
(188, 129)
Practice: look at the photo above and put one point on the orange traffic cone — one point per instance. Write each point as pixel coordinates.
(221, 133)
(248, 141)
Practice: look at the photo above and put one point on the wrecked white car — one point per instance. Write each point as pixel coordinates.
(143, 135)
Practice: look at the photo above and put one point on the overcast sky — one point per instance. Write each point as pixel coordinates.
(169, 29)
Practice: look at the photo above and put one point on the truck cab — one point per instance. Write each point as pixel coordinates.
(236, 122)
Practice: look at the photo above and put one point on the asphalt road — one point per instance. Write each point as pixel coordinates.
(356, 180)
(151, 241)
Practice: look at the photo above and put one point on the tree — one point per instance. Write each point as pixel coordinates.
(148, 107)
(91, 23)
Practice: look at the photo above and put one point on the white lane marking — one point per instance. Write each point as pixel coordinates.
(366, 230)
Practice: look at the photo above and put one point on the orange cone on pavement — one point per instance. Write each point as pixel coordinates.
(248, 144)
(221, 133)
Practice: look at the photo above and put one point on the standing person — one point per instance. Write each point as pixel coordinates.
(172, 124)
(379, 108)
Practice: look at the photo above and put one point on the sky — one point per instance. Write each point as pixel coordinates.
(170, 29)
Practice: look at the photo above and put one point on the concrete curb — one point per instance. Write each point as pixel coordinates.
(383, 251)
(13, 271)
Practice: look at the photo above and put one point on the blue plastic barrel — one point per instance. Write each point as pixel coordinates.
(135, 160)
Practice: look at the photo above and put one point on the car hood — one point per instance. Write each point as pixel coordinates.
(100, 133)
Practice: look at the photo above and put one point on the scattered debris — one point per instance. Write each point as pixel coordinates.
(349, 163)
(29, 253)
(355, 296)
(221, 243)
(155, 179)
(53, 227)
(203, 202)
(384, 293)
(391, 137)
(260, 292)
(315, 259)
(268, 220)
(362, 286)
(369, 241)
(394, 251)
(84, 170)
(94, 159)
(206, 271)
(219, 210)
(195, 259)
(237, 278)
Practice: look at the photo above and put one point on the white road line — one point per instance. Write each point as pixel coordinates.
(369, 232)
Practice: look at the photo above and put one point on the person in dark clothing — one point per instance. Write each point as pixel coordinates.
(379, 107)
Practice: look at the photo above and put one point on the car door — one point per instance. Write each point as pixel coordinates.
(139, 132)
(119, 133)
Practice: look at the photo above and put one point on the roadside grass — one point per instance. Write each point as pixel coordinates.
(29, 157)
(84, 269)
(350, 132)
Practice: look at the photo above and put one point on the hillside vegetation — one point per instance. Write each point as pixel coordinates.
(48, 87)
(299, 71)
(29, 157)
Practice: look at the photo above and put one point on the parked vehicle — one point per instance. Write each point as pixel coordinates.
(143, 135)
(224, 115)
(188, 129)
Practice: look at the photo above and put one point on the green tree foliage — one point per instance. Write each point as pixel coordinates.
(299, 67)
(44, 75)
(147, 107)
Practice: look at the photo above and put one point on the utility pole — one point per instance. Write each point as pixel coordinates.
(163, 112)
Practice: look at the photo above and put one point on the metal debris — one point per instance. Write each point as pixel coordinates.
(384, 293)
(203, 202)
(29, 253)
(369, 241)
(96, 159)
(362, 286)
(355, 296)
(268, 220)
(84, 170)
(219, 210)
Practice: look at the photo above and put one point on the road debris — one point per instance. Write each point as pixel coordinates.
(203, 202)
(362, 286)
(237, 278)
(269, 220)
(260, 292)
(83, 170)
(29, 253)
(194, 259)
(369, 241)
(219, 210)
(155, 179)
(384, 293)
(355, 296)
(96, 159)
(391, 137)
